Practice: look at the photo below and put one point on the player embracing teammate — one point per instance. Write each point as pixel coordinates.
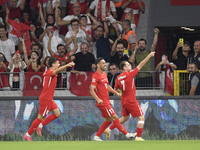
(99, 90)
(125, 82)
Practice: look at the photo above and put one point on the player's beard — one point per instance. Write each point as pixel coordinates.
(142, 50)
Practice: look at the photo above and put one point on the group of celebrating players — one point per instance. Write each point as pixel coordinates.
(99, 90)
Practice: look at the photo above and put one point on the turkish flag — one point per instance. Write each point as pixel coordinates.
(19, 29)
(80, 83)
(3, 2)
(168, 81)
(33, 84)
(184, 2)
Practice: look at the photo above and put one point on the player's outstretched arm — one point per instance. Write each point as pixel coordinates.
(92, 87)
(142, 63)
(110, 89)
(63, 67)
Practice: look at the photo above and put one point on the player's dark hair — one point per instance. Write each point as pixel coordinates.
(125, 43)
(142, 40)
(128, 22)
(122, 64)
(73, 20)
(98, 60)
(59, 45)
(101, 27)
(52, 61)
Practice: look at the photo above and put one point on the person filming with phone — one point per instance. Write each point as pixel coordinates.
(181, 58)
(162, 67)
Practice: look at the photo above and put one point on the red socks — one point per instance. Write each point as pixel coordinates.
(120, 127)
(48, 119)
(34, 125)
(139, 132)
(112, 126)
(102, 128)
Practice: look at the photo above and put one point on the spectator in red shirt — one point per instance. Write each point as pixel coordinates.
(61, 50)
(134, 6)
(14, 10)
(4, 82)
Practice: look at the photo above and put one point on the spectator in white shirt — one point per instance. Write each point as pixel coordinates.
(7, 47)
(67, 19)
(54, 42)
(81, 35)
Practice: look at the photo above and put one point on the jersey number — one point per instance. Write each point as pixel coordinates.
(123, 84)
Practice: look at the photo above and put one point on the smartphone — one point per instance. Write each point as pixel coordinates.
(181, 41)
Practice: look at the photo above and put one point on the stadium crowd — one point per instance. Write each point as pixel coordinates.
(32, 31)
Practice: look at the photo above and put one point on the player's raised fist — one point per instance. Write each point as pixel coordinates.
(119, 94)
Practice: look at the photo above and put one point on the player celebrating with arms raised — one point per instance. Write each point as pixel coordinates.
(125, 81)
(46, 98)
(99, 90)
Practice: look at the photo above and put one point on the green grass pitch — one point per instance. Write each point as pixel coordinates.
(105, 145)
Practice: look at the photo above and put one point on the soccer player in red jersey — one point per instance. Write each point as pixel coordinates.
(125, 82)
(99, 90)
(46, 98)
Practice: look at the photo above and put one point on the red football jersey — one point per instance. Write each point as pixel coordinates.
(134, 8)
(101, 83)
(49, 85)
(125, 81)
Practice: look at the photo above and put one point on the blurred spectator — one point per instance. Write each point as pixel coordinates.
(181, 59)
(84, 60)
(33, 36)
(15, 11)
(54, 42)
(194, 84)
(134, 6)
(16, 64)
(117, 53)
(129, 35)
(1, 22)
(103, 43)
(99, 7)
(119, 9)
(62, 76)
(4, 81)
(145, 79)
(25, 18)
(32, 63)
(195, 58)
(61, 50)
(7, 46)
(45, 65)
(83, 3)
(11, 36)
(162, 68)
(50, 19)
(118, 25)
(115, 71)
(80, 35)
(76, 15)
(88, 28)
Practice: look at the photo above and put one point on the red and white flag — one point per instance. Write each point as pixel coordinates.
(19, 29)
(33, 84)
(80, 83)
(168, 81)
(3, 2)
